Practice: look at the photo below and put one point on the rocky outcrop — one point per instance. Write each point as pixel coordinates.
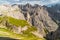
(13, 11)
(39, 16)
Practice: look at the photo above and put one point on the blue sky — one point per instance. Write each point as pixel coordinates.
(41, 2)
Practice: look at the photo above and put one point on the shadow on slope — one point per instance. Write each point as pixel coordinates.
(6, 38)
(54, 35)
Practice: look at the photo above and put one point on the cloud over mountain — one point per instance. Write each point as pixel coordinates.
(41, 2)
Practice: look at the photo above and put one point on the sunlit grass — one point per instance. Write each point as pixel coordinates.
(7, 33)
(17, 22)
(26, 35)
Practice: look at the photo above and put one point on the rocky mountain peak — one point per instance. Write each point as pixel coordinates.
(22, 17)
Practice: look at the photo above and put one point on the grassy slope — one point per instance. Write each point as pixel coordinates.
(27, 35)
(7, 33)
(17, 22)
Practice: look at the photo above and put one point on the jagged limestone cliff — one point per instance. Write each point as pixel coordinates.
(39, 16)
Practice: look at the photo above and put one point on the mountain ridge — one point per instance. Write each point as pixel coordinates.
(25, 19)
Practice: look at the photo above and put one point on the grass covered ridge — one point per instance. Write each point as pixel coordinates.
(27, 35)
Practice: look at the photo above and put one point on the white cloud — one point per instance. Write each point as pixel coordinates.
(4, 2)
(16, 0)
(41, 2)
(54, 1)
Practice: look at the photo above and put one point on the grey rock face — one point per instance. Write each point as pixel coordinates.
(54, 13)
(39, 16)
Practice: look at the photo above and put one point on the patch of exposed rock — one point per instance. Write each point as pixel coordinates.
(13, 11)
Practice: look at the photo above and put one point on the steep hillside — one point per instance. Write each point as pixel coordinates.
(13, 25)
(17, 29)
